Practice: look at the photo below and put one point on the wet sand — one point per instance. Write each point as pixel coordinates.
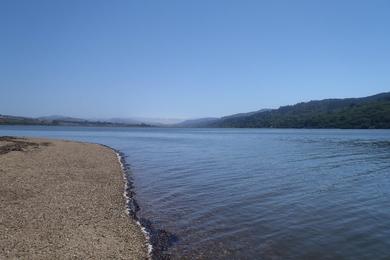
(64, 200)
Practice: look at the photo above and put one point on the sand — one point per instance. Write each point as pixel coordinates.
(64, 200)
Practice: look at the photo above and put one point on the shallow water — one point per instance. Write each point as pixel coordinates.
(256, 193)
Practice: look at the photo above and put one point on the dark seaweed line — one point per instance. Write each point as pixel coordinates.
(160, 239)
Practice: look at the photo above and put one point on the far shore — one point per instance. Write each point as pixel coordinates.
(64, 200)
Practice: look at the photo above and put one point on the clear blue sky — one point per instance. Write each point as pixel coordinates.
(186, 59)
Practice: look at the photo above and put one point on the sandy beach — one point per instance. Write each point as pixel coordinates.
(62, 200)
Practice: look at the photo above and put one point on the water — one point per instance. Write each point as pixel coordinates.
(256, 193)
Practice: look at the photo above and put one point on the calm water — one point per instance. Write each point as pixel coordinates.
(257, 194)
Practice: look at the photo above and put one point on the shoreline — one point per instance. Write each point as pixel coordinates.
(128, 194)
(60, 199)
(158, 240)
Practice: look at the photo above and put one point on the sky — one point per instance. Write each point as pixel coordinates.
(187, 58)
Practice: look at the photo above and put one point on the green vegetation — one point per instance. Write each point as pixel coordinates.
(13, 120)
(354, 113)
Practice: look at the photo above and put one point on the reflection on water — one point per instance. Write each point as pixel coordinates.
(268, 194)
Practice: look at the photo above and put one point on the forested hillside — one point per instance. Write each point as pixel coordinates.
(368, 112)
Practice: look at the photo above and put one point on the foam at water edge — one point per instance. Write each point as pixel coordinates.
(128, 210)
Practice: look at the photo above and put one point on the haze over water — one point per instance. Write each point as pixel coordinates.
(256, 193)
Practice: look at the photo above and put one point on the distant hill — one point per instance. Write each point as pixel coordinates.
(353, 113)
(367, 112)
(245, 114)
(60, 118)
(60, 121)
(119, 120)
(18, 120)
(199, 122)
(141, 120)
(210, 121)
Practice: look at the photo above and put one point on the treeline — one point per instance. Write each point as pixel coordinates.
(353, 113)
(11, 120)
